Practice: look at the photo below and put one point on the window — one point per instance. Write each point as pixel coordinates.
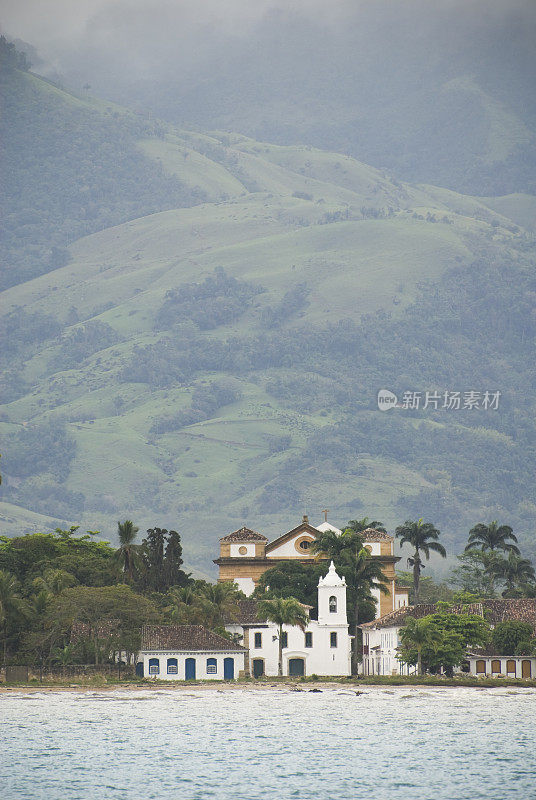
(211, 666)
(284, 639)
(172, 666)
(333, 639)
(243, 550)
(154, 666)
(308, 639)
(258, 640)
(305, 545)
(332, 604)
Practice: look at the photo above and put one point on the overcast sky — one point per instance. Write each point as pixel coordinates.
(109, 42)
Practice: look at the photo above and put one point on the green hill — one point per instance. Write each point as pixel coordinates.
(208, 366)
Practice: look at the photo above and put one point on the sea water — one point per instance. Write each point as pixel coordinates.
(269, 744)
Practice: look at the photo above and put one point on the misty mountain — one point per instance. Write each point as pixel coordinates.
(215, 364)
(438, 93)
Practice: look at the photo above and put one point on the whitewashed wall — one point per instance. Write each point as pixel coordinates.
(320, 659)
(201, 664)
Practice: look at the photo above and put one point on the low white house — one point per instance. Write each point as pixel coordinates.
(494, 666)
(187, 652)
(323, 648)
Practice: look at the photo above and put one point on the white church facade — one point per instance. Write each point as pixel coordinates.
(322, 649)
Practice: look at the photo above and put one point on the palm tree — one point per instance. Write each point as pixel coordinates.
(283, 611)
(417, 633)
(359, 525)
(422, 537)
(53, 581)
(362, 573)
(514, 571)
(187, 606)
(223, 598)
(126, 553)
(492, 537)
(11, 603)
(330, 544)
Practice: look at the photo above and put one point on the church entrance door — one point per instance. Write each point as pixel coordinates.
(296, 667)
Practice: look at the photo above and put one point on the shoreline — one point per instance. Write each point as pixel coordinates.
(357, 685)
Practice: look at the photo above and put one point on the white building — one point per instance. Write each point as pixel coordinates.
(494, 666)
(323, 648)
(381, 637)
(189, 652)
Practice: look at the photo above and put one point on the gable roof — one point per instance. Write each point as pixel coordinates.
(399, 617)
(303, 527)
(244, 535)
(185, 637)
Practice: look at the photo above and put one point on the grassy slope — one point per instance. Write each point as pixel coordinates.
(205, 479)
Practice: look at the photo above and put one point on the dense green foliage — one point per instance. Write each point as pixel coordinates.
(441, 640)
(292, 579)
(513, 637)
(66, 598)
(222, 348)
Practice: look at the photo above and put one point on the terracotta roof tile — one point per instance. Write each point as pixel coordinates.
(244, 535)
(372, 535)
(247, 614)
(184, 637)
(399, 617)
(506, 609)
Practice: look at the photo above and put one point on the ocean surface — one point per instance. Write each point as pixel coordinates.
(269, 744)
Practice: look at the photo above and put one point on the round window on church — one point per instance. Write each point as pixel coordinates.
(303, 544)
(368, 547)
(243, 550)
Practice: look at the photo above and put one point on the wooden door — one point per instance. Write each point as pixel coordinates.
(190, 669)
(228, 669)
(296, 667)
(258, 667)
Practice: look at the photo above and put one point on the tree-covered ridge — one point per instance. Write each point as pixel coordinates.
(222, 361)
(71, 166)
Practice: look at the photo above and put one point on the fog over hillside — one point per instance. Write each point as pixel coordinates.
(438, 92)
(228, 226)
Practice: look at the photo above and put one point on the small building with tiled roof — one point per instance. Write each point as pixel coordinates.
(189, 652)
(245, 555)
(244, 535)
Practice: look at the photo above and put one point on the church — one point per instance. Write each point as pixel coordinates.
(246, 554)
(322, 648)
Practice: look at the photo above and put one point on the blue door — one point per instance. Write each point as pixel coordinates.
(139, 669)
(190, 669)
(228, 669)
